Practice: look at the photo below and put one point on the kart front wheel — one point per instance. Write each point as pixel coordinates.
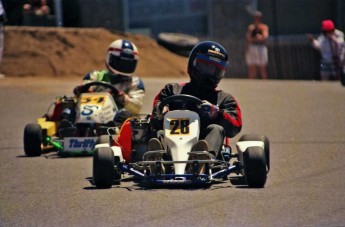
(103, 167)
(33, 140)
(264, 139)
(255, 171)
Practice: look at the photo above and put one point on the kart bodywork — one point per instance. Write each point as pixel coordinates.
(175, 163)
(75, 135)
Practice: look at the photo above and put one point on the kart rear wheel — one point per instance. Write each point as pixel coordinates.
(103, 167)
(257, 137)
(178, 43)
(342, 78)
(103, 139)
(255, 171)
(117, 172)
(33, 140)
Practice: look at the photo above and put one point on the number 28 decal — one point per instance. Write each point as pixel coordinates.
(179, 126)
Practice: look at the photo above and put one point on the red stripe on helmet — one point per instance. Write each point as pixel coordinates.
(211, 63)
(120, 50)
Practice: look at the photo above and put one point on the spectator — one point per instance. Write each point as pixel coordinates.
(256, 49)
(36, 7)
(331, 46)
(2, 22)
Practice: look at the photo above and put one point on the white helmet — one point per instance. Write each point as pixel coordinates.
(122, 57)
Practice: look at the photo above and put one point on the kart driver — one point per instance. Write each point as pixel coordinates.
(121, 61)
(220, 114)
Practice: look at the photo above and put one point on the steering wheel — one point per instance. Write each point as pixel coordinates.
(181, 98)
(87, 86)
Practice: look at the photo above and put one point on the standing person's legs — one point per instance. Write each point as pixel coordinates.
(262, 61)
(1, 46)
(263, 72)
(251, 71)
(251, 60)
(326, 70)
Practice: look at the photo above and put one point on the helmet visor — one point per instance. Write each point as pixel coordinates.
(122, 64)
(209, 68)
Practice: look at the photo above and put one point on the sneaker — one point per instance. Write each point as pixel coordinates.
(154, 145)
(201, 147)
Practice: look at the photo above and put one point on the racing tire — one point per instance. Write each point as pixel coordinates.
(117, 172)
(103, 139)
(103, 167)
(178, 43)
(257, 137)
(255, 167)
(33, 140)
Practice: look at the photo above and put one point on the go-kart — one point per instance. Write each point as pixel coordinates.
(73, 135)
(175, 163)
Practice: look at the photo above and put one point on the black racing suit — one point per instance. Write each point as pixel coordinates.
(227, 124)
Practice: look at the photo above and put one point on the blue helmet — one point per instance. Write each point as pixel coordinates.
(207, 63)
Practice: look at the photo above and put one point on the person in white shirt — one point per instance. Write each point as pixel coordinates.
(331, 46)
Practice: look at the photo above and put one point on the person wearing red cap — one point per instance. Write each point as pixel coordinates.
(331, 46)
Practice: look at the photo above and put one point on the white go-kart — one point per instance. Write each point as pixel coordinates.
(175, 163)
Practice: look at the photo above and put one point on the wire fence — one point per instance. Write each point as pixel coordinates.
(290, 55)
(225, 21)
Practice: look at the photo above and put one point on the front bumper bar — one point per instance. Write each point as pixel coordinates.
(159, 177)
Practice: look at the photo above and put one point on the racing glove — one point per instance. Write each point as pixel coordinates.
(208, 111)
(165, 109)
(77, 90)
(161, 113)
(121, 98)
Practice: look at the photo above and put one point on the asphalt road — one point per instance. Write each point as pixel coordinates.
(304, 121)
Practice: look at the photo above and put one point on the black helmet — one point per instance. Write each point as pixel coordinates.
(207, 63)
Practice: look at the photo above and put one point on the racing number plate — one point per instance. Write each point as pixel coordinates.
(96, 99)
(179, 126)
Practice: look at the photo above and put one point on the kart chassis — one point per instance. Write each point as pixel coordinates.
(175, 164)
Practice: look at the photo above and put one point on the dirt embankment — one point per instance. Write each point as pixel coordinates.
(71, 52)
